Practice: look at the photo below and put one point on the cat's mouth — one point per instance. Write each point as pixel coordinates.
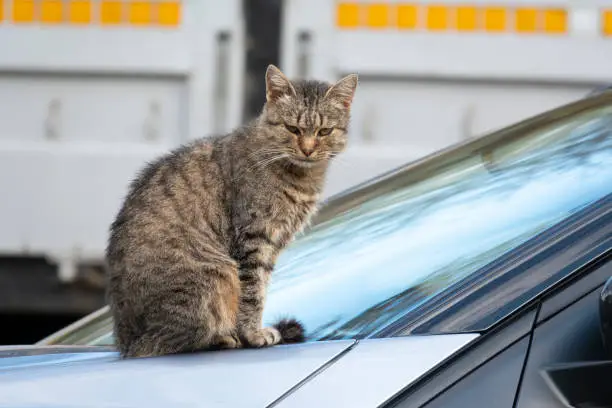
(305, 161)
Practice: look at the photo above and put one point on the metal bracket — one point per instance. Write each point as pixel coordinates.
(304, 42)
(53, 122)
(467, 122)
(152, 121)
(221, 85)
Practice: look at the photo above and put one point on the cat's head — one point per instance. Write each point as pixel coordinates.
(307, 121)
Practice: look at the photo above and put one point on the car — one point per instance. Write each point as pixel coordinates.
(469, 278)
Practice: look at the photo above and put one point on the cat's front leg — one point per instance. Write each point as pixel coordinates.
(254, 282)
(256, 265)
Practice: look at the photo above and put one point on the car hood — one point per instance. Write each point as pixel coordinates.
(81, 377)
(53, 377)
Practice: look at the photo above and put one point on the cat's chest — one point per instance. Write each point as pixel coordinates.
(291, 206)
(287, 212)
(285, 225)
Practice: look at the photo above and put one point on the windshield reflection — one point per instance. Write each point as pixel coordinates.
(352, 276)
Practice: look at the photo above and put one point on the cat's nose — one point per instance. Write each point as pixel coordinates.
(308, 145)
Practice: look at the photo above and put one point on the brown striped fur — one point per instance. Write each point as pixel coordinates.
(192, 248)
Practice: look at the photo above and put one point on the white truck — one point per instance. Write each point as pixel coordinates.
(91, 89)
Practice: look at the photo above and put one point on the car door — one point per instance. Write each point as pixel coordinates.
(506, 368)
(486, 374)
(567, 331)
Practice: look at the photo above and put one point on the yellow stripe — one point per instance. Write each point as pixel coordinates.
(437, 17)
(526, 20)
(407, 16)
(468, 18)
(347, 15)
(377, 15)
(80, 12)
(111, 12)
(169, 13)
(23, 11)
(140, 13)
(51, 11)
(134, 13)
(495, 19)
(606, 23)
(462, 17)
(555, 21)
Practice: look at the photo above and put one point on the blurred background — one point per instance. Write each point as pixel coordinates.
(91, 89)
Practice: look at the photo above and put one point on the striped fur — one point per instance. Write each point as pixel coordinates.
(192, 248)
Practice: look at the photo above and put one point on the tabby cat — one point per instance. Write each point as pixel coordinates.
(192, 248)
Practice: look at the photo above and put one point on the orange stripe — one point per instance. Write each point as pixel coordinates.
(377, 15)
(140, 13)
(23, 11)
(437, 17)
(169, 13)
(79, 12)
(111, 12)
(555, 21)
(407, 16)
(606, 23)
(51, 11)
(495, 19)
(347, 15)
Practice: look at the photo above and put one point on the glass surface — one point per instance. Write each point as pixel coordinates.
(357, 273)
(343, 279)
(96, 333)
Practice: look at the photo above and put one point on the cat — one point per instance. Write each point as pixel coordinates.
(193, 245)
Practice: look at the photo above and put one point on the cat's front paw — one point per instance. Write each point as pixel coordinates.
(230, 341)
(267, 336)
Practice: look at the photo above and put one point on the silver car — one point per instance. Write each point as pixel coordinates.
(453, 281)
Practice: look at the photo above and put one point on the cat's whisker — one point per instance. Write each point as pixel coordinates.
(263, 156)
(264, 162)
(269, 161)
(339, 159)
(259, 152)
(271, 155)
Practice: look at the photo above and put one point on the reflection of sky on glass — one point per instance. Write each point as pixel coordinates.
(450, 224)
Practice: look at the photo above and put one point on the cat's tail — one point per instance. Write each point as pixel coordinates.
(291, 331)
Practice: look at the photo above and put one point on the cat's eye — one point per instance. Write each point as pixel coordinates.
(293, 129)
(325, 131)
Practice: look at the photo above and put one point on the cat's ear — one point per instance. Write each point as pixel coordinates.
(277, 84)
(343, 91)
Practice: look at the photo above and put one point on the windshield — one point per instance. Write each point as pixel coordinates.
(358, 272)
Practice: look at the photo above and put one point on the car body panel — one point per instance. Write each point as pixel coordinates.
(310, 374)
(231, 378)
(375, 370)
(28, 357)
